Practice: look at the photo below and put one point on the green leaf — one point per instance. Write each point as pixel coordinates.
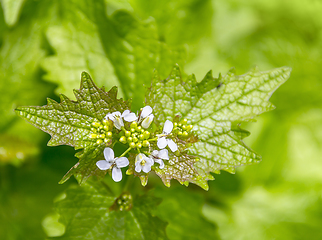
(20, 54)
(119, 48)
(183, 210)
(11, 10)
(92, 212)
(179, 22)
(216, 107)
(69, 122)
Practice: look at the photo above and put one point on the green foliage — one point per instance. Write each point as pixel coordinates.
(118, 50)
(70, 122)
(20, 54)
(47, 44)
(181, 226)
(92, 211)
(216, 107)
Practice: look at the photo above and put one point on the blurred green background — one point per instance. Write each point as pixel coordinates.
(44, 46)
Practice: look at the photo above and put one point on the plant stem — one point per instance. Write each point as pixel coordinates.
(127, 150)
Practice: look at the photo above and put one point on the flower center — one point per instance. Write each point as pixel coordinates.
(143, 162)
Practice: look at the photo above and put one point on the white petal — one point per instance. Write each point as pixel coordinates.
(146, 111)
(116, 174)
(116, 114)
(122, 162)
(108, 116)
(111, 117)
(109, 154)
(155, 153)
(103, 164)
(160, 162)
(172, 145)
(126, 112)
(149, 161)
(163, 154)
(118, 122)
(147, 121)
(130, 117)
(139, 158)
(138, 167)
(162, 142)
(146, 168)
(168, 126)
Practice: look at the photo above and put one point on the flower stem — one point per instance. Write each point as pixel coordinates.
(153, 139)
(127, 150)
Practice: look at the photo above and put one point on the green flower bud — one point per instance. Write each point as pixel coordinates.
(96, 124)
(184, 121)
(146, 134)
(123, 139)
(141, 137)
(129, 139)
(109, 134)
(132, 145)
(133, 130)
(185, 134)
(99, 141)
(102, 136)
(139, 145)
(189, 127)
(106, 128)
(135, 139)
(93, 136)
(146, 143)
(134, 125)
(127, 133)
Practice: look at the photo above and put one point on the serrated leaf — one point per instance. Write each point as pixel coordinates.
(216, 107)
(92, 212)
(69, 122)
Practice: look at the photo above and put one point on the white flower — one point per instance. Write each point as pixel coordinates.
(114, 163)
(143, 163)
(116, 117)
(163, 141)
(159, 155)
(147, 117)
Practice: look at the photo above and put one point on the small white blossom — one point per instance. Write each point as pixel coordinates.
(117, 118)
(143, 163)
(114, 163)
(147, 117)
(159, 155)
(163, 141)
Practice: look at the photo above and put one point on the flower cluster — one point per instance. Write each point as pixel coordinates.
(133, 131)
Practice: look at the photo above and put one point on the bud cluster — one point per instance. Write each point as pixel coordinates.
(123, 203)
(101, 131)
(182, 128)
(133, 130)
(135, 136)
